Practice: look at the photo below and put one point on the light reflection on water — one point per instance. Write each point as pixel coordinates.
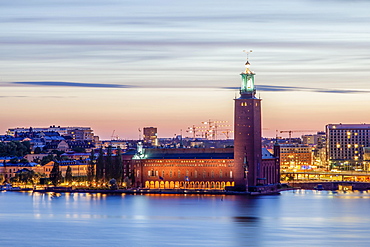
(294, 218)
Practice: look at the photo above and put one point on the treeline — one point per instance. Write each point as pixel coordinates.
(15, 148)
(109, 166)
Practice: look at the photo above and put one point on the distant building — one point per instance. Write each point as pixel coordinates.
(150, 136)
(346, 145)
(318, 142)
(295, 156)
(76, 133)
(315, 139)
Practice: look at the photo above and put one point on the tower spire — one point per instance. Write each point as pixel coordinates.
(247, 89)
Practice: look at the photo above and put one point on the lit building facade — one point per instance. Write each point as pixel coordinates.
(244, 167)
(150, 136)
(346, 145)
(178, 168)
(295, 157)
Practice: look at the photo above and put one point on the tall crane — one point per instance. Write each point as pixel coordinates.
(294, 131)
(210, 129)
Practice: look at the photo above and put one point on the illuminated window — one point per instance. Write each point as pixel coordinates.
(231, 174)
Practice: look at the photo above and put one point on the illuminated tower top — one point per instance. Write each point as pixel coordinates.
(247, 89)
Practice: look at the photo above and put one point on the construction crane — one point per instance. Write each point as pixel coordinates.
(114, 137)
(294, 131)
(210, 129)
(214, 127)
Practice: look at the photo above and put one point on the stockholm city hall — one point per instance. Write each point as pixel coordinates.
(247, 166)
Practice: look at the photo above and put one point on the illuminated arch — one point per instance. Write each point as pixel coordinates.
(156, 185)
(202, 185)
(191, 185)
(207, 185)
(151, 185)
(172, 185)
(147, 184)
(166, 185)
(161, 185)
(177, 185)
(217, 185)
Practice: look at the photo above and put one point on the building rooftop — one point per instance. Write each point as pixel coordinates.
(348, 126)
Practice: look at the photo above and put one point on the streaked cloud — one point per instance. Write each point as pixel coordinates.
(262, 88)
(71, 84)
(269, 88)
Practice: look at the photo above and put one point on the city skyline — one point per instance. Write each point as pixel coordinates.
(119, 66)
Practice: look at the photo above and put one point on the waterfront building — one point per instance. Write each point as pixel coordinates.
(346, 145)
(195, 168)
(244, 167)
(295, 157)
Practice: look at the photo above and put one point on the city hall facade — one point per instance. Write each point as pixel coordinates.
(245, 167)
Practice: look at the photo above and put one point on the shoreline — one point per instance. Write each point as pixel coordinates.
(155, 191)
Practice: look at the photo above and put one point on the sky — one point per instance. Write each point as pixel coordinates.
(118, 65)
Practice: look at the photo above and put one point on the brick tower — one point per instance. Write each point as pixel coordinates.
(247, 134)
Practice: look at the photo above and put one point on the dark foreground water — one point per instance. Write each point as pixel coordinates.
(299, 218)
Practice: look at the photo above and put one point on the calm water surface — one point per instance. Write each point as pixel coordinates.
(294, 218)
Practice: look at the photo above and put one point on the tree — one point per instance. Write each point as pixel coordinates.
(79, 150)
(91, 167)
(14, 160)
(24, 161)
(14, 148)
(55, 174)
(46, 159)
(100, 166)
(37, 150)
(109, 165)
(26, 176)
(69, 176)
(119, 167)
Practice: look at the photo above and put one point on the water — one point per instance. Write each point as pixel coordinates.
(299, 218)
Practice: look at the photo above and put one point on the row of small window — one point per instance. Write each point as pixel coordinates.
(188, 161)
(189, 165)
(204, 174)
(348, 131)
(246, 104)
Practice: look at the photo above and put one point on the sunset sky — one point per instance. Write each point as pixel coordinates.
(123, 65)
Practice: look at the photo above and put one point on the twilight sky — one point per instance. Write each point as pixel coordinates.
(123, 65)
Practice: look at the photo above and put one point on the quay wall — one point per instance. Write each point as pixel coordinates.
(331, 185)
